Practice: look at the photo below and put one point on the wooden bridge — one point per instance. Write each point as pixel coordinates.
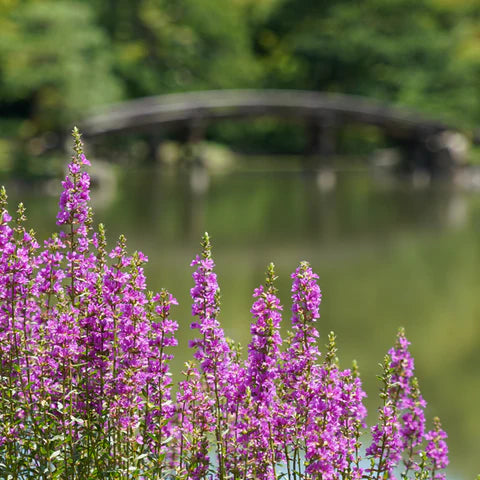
(322, 113)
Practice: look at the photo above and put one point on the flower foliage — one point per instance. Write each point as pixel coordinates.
(86, 390)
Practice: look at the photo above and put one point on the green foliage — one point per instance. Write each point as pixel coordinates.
(54, 59)
(162, 45)
(61, 59)
(419, 53)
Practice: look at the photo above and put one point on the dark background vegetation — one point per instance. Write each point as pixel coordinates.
(61, 59)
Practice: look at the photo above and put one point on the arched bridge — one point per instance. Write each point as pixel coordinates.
(322, 112)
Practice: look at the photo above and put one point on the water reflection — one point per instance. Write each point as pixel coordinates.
(388, 254)
(293, 204)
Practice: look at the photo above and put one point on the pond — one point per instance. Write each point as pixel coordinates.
(389, 254)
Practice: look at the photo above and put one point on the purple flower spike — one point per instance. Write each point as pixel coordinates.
(212, 349)
(437, 450)
(263, 351)
(302, 353)
(405, 393)
(386, 446)
(402, 366)
(258, 410)
(73, 206)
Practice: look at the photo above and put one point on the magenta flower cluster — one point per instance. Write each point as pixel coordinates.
(86, 390)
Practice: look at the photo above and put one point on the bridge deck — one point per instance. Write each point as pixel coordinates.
(184, 108)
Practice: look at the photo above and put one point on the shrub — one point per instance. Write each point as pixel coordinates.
(86, 390)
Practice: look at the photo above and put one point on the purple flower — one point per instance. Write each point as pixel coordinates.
(385, 450)
(196, 423)
(85, 377)
(386, 446)
(334, 422)
(258, 411)
(405, 394)
(402, 366)
(437, 450)
(298, 362)
(302, 351)
(212, 349)
(263, 351)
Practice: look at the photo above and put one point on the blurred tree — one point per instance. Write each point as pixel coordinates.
(55, 64)
(176, 45)
(420, 53)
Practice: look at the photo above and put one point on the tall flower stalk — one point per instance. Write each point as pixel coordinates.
(211, 348)
(300, 365)
(259, 436)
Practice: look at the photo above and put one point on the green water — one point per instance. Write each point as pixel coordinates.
(388, 255)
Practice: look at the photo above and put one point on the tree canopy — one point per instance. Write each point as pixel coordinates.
(60, 59)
